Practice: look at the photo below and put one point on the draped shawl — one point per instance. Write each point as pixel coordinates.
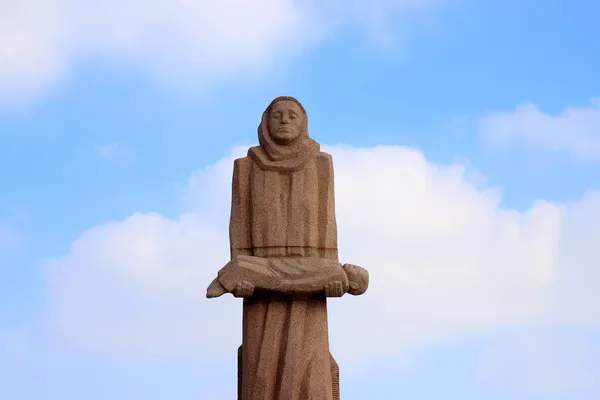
(271, 156)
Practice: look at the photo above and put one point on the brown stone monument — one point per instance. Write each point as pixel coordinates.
(284, 261)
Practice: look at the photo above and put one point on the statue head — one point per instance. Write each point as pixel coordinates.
(286, 120)
(285, 145)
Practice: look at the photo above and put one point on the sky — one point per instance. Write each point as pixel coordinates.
(466, 144)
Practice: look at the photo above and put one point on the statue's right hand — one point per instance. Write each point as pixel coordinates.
(334, 289)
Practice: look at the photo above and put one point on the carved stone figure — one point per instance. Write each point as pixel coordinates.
(284, 261)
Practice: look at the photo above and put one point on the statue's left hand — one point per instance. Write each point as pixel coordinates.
(243, 289)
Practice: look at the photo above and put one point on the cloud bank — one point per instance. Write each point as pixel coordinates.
(575, 131)
(184, 42)
(559, 364)
(445, 258)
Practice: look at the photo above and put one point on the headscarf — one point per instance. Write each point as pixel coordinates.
(291, 157)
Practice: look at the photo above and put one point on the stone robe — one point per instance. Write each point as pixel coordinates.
(285, 347)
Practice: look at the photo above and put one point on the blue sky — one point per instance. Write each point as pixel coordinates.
(114, 126)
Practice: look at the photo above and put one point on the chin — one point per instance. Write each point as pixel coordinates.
(285, 137)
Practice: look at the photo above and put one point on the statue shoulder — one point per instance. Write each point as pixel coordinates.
(242, 162)
(325, 161)
(241, 170)
(323, 156)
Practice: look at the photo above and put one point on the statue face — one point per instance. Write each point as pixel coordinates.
(286, 120)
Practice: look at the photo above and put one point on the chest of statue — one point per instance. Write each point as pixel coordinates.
(285, 207)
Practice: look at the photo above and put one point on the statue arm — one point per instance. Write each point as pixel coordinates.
(243, 274)
(288, 276)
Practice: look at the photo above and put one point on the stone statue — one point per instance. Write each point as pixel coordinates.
(284, 261)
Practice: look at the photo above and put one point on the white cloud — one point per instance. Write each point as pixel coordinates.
(143, 290)
(543, 362)
(574, 131)
(185, 42)
(32, 54)
(573, 296)
(445, 257)
(16, 351)
(114, 150)
(14, 345)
